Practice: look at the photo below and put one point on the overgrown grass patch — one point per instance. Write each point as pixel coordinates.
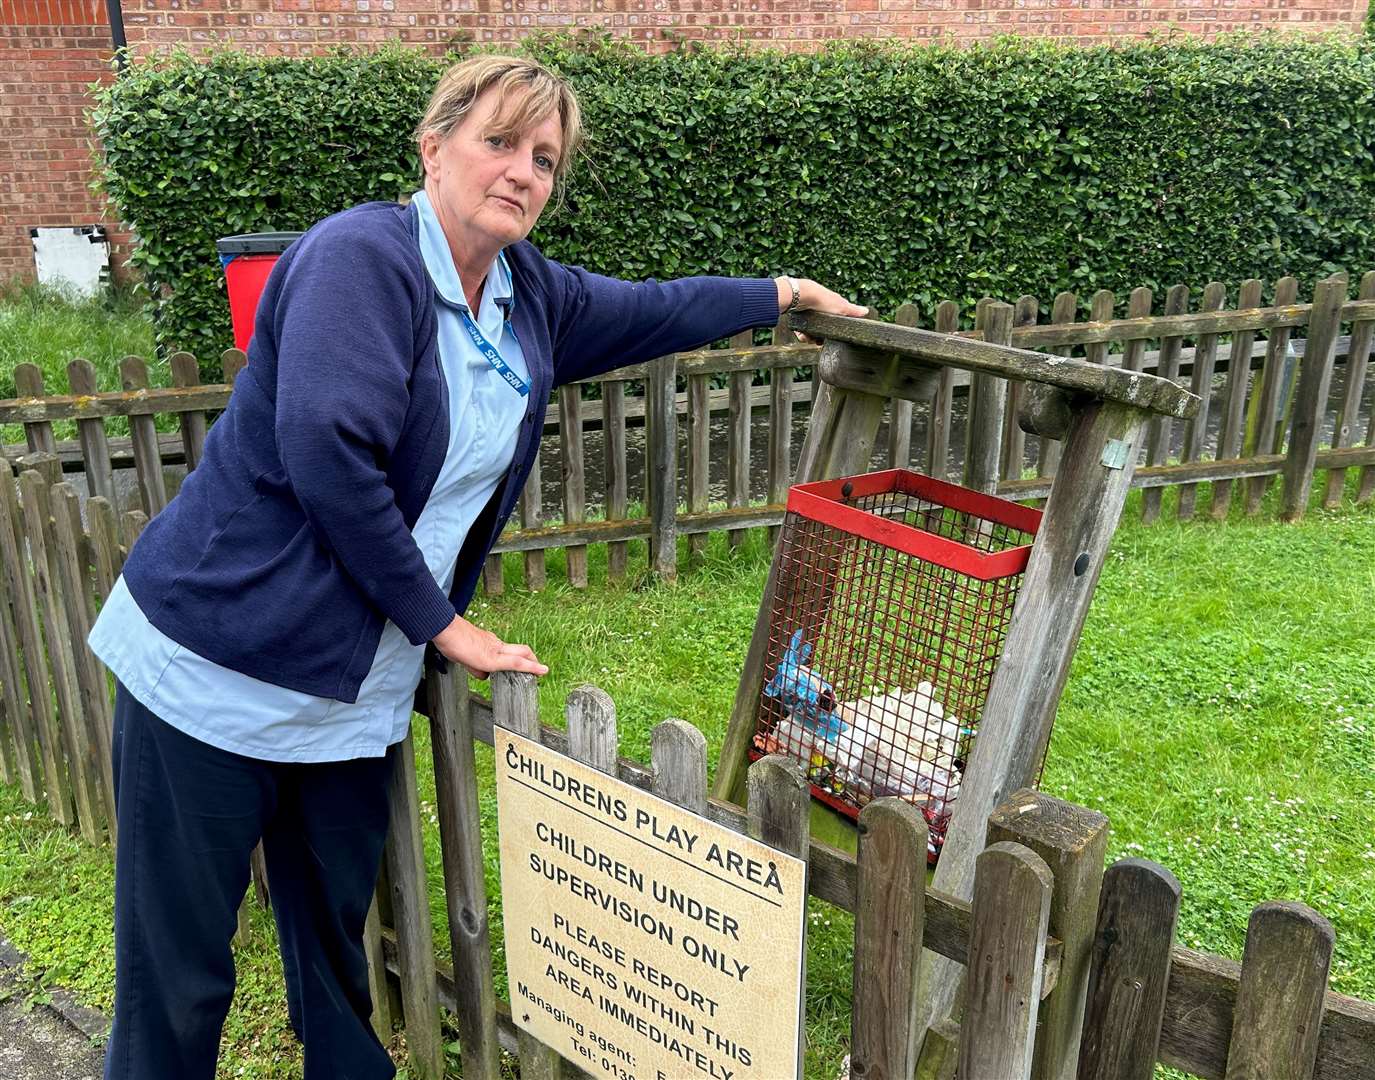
(1221, 712)
(45, 326)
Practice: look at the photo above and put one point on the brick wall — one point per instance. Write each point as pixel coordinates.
(298, 25)
(50, 52)
(52, 49)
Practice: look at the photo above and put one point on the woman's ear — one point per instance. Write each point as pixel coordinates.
(429, 155)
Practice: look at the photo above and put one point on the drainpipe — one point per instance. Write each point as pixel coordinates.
(115, 10)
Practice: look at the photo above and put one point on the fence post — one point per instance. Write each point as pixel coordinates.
(613, 445)
(900, 409)
(778, 813)
(890, 908)
(781, 429)
(1025, 312)
(465, 888)
(143, 430)
(535, 578)
(23, 718)
(28, 382)
(1101, 307)
(73, 565)
(1007, 943)
(678, 754)
(987, 396)
(1230, 438)
(938, 425)
(574, 478)
(1310, 400)
(186, 372)
(1063, 310)
(1357, 359)
(70, 739)
(374, 956)
(1365, 490)
(661, 466)
(1205, 362)
(515, 706)
(1262, 412)
(405, 858)
(19, 578)
(232, 361)
(132, 523)
(1160, 428)
(738, 456)
(1280, 1000)
(1072, 841)
(699, 455)
(25, 766)
(95, 446)
(1130, 972)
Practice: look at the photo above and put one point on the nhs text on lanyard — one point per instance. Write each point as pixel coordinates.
(487, 349)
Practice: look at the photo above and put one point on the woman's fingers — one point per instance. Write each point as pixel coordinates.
(520, 658)
(816, 297)
(482, 652)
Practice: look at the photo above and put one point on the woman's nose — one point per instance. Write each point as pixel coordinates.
(520, 168)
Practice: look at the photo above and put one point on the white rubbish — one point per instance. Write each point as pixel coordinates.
(901, 742)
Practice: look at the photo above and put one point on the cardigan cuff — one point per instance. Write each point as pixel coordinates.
(422, 612)
(759, 302)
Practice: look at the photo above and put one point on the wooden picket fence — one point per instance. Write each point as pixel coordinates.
(1069, 966)
(58, 568)
(1146, 998)
(1272, 412)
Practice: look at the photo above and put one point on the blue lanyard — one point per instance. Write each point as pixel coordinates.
(487, 349)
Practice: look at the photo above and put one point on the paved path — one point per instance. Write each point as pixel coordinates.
(38, 1044)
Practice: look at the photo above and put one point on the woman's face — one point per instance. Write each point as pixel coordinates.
(486, 188)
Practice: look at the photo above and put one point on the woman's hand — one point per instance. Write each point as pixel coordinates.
(482, 652)
(814, 297)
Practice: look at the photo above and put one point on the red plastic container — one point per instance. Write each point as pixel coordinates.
(247, 260)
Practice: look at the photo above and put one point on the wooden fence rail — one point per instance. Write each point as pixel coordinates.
(1266, 393)
(1272, 414)
(1047, 924)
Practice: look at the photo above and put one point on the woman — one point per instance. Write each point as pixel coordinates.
(268, 631)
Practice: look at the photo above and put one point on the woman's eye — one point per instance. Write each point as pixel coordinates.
(544, 162)
(495, 141)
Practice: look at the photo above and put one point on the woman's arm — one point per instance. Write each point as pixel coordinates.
(606, 323)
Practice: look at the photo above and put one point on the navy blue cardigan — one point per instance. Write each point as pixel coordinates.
(291, 541)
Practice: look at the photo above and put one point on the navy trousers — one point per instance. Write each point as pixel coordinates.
(189, 817)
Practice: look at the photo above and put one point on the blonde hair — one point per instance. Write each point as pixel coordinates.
(528, 92)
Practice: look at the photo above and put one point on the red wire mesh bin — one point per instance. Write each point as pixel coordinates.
(892, 597)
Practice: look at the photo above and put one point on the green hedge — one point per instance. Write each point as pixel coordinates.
(895, 172)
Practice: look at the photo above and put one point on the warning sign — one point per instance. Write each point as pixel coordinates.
(644, 942)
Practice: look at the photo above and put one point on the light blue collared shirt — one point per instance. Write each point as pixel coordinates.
(247, 716)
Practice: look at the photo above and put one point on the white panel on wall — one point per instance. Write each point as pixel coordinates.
(75, 258)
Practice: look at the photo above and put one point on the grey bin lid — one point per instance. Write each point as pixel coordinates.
(263, 243)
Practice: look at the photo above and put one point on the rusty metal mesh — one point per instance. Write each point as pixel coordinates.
(878, 661)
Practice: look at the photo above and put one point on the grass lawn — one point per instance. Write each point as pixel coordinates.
(1221, 712)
